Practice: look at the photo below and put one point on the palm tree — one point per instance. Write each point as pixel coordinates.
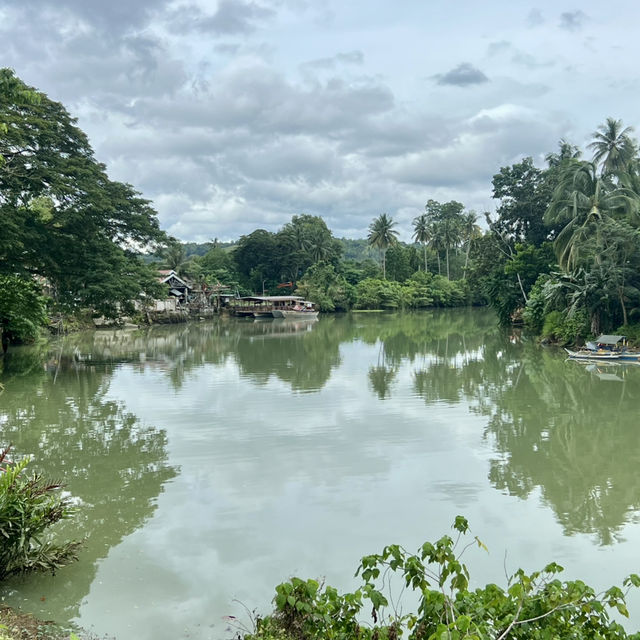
(583, 201)
(470, 231)
(318, 246)
(566, 151)
(382, 235)
(447, 230)
(613, 146)
(422, 234)
(174, 257)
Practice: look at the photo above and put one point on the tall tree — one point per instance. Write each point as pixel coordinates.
(382, 235)
(174, 256)
(422, 234)
(613, 147)
(566, 151)
(255, 259)
(63, 218)
(449, 228)
(304, 241)
(470, 231)
(524, 195)
(583, 201)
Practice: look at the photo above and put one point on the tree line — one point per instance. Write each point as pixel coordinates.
(560, 253)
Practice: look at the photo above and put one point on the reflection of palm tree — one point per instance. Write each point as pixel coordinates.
(582, 455)
(382, 235)
(382, 376)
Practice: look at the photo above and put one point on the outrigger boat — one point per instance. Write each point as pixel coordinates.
(590, 354)
(619, 345)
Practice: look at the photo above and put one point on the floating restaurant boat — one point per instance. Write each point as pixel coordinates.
(303, 309)
(273, 307)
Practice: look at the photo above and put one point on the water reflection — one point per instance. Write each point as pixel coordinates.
(559, 427)
(54, 408)
(294, 437)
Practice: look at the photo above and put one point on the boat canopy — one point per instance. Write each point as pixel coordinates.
(272, 298)
(609, 339)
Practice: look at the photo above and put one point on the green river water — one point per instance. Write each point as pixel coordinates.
(212, 461)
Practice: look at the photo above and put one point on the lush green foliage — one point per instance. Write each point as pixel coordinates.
(576, 221)
(532, 606)
(29, 506)
(22, 309)
(382, 235)
(328, 289)
(421, 290)
(63, 218)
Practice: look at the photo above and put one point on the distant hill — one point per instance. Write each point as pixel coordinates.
(357, 250)
(201, 249)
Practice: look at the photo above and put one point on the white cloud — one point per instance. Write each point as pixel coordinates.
(229, 115)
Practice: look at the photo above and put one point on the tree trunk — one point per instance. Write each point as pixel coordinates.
(466, 261)
(524, 295)
(447, 252)
(595, 324)
(425, 258)
(384, 264)
(5, 339)
(438, 254)
(624, 308)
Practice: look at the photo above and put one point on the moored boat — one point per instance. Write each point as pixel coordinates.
(304, 309)
(589, 354)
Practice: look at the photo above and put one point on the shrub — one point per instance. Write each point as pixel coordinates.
(537, 605)
(29, 506)
(566, 327)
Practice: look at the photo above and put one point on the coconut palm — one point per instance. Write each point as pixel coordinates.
(583, 201)
(318, 245)
(447, 229)
(566, 151)
(613, 146)
(174, 257)
(422, 234)
(470, 231)
(382, 235)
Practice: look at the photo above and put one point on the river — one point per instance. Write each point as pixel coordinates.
(213, 461)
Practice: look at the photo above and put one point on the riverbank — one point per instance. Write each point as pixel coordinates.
(15, 625)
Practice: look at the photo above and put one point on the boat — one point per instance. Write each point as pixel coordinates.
(590, 354)
(262, 306)
(303, 309)
(615, 344)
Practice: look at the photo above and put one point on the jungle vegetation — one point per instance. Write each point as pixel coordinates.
(561, 252)
(534, 606)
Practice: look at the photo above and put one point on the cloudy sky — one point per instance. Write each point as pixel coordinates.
(236, 114)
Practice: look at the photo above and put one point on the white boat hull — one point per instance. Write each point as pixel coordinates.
(290, 313)
(592, 355)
